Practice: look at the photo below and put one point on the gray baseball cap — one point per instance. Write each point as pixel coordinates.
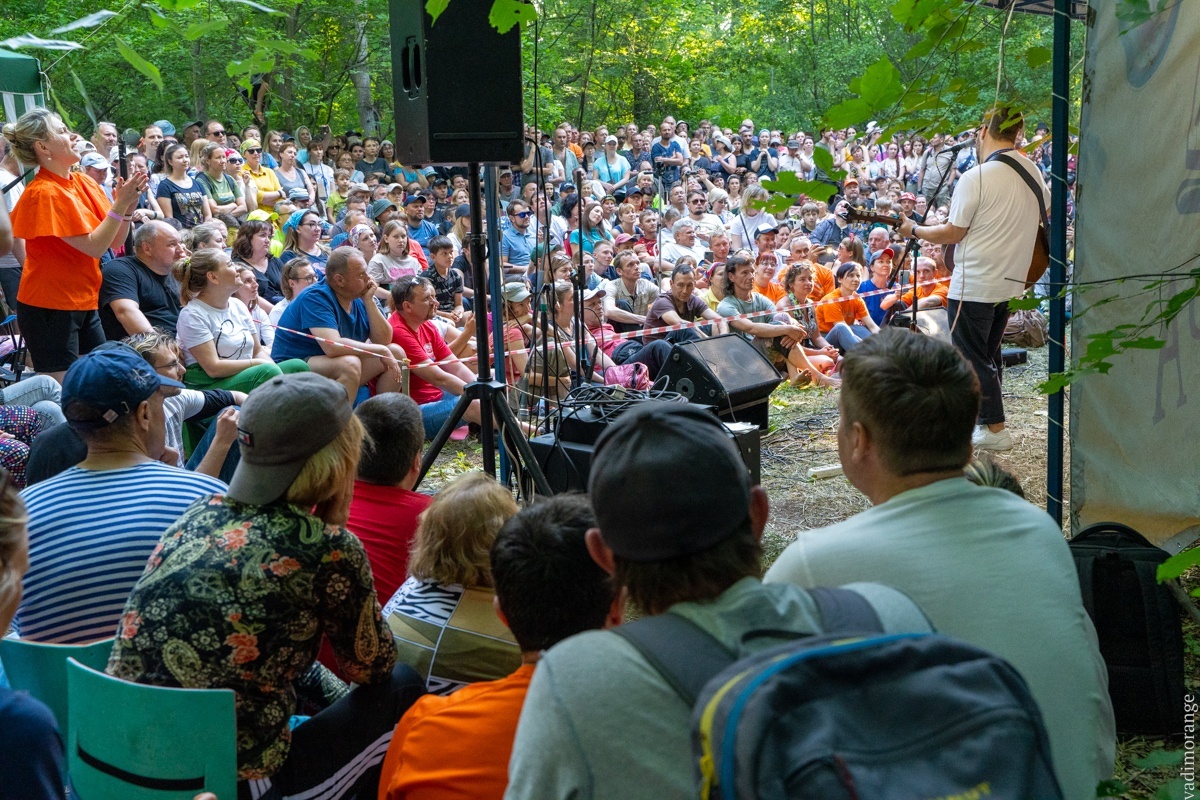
(281, 425)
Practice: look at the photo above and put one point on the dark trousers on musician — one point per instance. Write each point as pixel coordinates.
(976, 330)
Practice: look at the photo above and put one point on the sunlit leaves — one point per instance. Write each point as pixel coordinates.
(1038, 56)
(434, 8)
(137, 62)
(507, 13)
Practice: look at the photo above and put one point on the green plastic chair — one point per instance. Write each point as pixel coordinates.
(41, 669)
(128, 741)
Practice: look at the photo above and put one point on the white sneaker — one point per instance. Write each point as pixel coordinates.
(977, 435)
(995, 441)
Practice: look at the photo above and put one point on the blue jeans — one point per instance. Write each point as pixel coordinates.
(435, 414)
(40, 392)
(846, 337)
(201, 449)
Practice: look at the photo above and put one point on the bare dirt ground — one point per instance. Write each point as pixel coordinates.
(803, 435)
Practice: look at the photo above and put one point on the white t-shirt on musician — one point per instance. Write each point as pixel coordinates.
(995, 204)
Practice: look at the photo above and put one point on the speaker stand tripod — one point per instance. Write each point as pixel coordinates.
(493, 404)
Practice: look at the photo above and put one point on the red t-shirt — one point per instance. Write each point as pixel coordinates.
(422, 345)
(385, 519)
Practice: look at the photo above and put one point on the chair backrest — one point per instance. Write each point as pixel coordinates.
(128, 741)
(41, 669)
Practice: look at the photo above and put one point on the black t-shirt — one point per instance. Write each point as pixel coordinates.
(446, 287)
(378, 165)
(54, 450)
(187, 205)
(157, 296)
(270, 285)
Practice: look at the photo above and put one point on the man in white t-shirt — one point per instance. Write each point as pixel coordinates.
(993, 223)
(684, 243)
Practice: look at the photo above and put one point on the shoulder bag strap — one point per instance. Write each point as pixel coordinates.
(682, 652)
(845, 611)
(1029, 181)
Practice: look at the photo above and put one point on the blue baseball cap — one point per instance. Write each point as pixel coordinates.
(107, 383)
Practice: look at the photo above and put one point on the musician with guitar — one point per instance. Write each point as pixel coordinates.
(997, 216)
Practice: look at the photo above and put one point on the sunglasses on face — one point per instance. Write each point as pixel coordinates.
(253, 151)
(236, 161)
(218, 133)
(523, 214)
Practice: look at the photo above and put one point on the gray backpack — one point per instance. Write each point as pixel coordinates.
(853, 714)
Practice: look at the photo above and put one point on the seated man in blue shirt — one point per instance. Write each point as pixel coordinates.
(354, 343)
(419, 228)
(518, 240)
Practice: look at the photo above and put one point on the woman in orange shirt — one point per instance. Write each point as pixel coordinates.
(67, 224)
(842, 316)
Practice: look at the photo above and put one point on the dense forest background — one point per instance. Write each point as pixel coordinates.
(785, 63)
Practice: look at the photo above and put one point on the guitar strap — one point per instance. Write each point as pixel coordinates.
(1029, 181)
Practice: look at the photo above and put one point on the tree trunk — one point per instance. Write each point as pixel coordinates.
(368, 117)
(284, 85)
(199, 98)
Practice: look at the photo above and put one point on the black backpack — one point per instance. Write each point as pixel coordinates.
(853, 713)
(1138, 625)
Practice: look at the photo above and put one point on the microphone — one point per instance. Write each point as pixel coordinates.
(961, 145)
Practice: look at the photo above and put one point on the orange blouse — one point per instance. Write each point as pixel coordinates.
(56, 275)
(847, 309)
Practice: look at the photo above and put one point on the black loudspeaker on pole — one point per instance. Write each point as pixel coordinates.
(457, 85)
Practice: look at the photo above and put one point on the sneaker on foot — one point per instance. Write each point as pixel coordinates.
(995, 441)
(977, 434)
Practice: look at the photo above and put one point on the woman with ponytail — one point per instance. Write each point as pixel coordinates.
(220, 342)
(68, 224)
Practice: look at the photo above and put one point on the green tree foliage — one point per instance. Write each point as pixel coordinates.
(785, 63)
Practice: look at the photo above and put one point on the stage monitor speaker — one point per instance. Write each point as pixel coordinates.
(567, 465)
(726, 372)
(457, 85)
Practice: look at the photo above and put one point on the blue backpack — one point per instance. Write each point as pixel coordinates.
(852, 714)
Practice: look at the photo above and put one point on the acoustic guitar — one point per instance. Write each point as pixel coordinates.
(1038, 264)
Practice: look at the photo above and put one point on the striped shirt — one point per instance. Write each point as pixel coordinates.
(90, 534)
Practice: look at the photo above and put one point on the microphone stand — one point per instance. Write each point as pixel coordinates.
(493, 404)
(908, 248)
(585, 366)
(123, 169)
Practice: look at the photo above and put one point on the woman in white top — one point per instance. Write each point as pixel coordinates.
(743, 226)
(393, 260)
(216, 331)
(298, 275)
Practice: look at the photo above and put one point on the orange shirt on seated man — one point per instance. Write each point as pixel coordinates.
(459, 746)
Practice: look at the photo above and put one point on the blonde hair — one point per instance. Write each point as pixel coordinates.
(13, 537)
(454, 538)
(196, 151)
(192, 272)
(328, 472)
(32, 127)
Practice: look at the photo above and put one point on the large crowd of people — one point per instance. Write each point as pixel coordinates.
(241, 347)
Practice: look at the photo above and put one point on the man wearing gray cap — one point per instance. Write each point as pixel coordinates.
(599, 719)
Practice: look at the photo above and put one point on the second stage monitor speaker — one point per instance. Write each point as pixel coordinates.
(726, 372)
(456, 84)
